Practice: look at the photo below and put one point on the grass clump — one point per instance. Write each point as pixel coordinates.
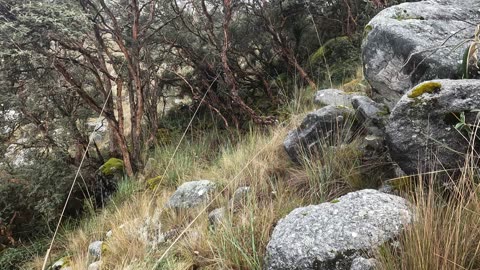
(445, 234)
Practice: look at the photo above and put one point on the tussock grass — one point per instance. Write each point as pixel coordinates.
(446, 231)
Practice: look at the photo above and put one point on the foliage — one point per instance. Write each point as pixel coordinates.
(15, 257)
(33, 196)
(336, 60)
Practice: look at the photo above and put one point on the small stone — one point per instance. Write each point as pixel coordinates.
(239, 195)
(216, 216)
(191, 194)
(95, 249)
(95, 266)
(149, 169)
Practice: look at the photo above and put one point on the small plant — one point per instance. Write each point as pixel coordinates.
(462, 124)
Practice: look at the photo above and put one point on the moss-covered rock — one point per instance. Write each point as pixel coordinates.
(112, 166)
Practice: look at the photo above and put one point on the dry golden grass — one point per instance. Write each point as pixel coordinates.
(446, 231)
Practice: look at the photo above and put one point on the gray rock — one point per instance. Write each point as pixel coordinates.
(216, 216)
(320, 126)
(149, 169)
(191, 194)
(95, 249)
(331, 235)
(414, 42)
(335, 97)
(361, 263)
(371, 114)
(95, 266)
(421, 133)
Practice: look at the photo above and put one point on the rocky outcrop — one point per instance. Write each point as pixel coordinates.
(335, 97)
(332, 235)
(414, 42)
(191, 194)
(421, 133)
(320, 126)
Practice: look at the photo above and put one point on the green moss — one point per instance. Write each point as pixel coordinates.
(426, 87)
(112, 166)
(152, 183)
(104, 248)
(335, 201)
(368, 28)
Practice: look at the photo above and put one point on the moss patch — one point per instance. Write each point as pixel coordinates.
(112, 166)
(368, 28)
(427, 87)
(335, 201)
(152, 183)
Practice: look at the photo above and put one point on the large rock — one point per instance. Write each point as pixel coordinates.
(320, 126)
(414, 42)
(191, 194)
(332, 235)
(421, 132)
